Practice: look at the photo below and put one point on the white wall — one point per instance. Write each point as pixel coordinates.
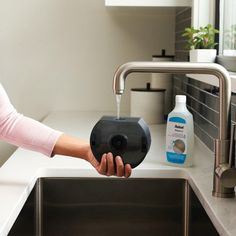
(62, 54)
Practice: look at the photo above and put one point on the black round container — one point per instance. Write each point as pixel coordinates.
(128, 137)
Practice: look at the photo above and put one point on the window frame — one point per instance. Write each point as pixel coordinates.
(229, 62)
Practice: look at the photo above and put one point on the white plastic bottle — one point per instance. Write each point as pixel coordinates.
(179, 134)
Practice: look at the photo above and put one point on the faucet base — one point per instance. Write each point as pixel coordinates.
(223, 195)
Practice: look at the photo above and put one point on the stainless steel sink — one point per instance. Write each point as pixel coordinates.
(112, 206)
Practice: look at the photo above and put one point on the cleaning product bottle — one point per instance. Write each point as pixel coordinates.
(179, 134)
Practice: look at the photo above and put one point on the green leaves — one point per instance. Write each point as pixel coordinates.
(202, 38)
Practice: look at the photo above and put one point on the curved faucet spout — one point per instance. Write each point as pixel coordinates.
(191, 68)
(166, 67)
(183, 68)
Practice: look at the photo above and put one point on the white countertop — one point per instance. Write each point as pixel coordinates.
(213, 80)
(19, 174)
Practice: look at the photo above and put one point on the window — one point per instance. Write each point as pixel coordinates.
(228, 27)
(227, 43)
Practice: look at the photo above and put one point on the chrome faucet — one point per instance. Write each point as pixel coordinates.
(224, 179)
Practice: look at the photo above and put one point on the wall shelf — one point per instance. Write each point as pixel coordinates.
(148, 3)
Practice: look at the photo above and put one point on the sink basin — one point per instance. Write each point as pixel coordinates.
(112, 206)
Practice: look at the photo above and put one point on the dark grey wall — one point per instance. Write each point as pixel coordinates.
(182, 20)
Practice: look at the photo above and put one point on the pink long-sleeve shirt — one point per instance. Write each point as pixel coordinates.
(23, 131)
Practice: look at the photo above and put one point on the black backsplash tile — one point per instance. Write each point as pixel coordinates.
(179, 45)
(200, 92)
(233, 112)
(183, 13)
(182, 20)
(204, 137)
(208, 113)
(203, 103)
(180, 25)
(181, 55)
(233, 99)
(204, 124)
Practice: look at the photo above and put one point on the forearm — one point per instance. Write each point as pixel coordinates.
(71, 146)
(29, 134)
(75, 147)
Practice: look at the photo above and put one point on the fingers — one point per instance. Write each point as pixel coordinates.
(121, 169)
(107, 166)
(110, 165)
(119, 166)
(128, 170)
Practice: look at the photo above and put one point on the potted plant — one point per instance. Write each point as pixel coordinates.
(201, 43)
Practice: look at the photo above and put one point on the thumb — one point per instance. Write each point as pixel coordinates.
(94, 162)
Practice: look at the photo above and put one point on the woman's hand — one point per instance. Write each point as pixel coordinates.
(75, 147)
(108, 167)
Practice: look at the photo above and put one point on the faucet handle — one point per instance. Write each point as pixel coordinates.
(227, 171)
(227, 175)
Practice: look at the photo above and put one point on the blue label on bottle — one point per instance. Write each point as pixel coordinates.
(176, 157)
(177, 120)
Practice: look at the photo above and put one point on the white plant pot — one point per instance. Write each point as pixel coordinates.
(202, 55)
